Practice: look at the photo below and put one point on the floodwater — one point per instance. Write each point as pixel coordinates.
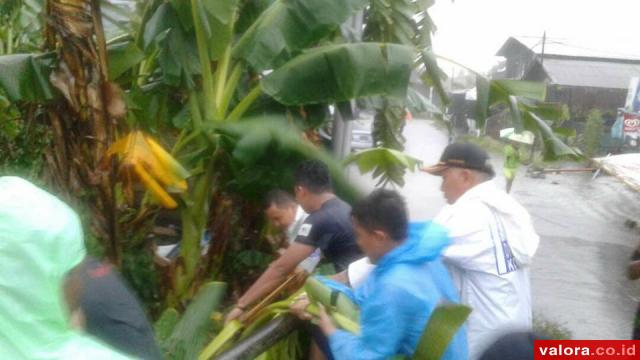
(578, 274)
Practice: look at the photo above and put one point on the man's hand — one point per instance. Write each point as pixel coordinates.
(325, 323)
(234, 314)
(299, 308)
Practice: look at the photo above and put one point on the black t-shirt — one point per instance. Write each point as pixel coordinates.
(330, 230)
(113, 314)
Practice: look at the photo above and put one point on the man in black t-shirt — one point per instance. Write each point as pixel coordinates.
(327, 228)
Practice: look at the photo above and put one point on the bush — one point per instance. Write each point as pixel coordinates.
(550, 329)
(592, 133)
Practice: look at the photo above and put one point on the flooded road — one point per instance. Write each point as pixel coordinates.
(578, 273)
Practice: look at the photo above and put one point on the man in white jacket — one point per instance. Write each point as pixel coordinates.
(493, 242)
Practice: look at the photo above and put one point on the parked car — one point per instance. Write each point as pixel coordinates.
(361, 133)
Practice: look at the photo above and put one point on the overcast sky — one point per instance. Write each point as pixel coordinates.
(472, 31)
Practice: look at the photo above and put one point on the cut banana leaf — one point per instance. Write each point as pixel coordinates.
(221, 340)
(331, 299)
(191, 332)
(165, 324)
(444, 323)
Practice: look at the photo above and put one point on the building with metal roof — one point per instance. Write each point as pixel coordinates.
(580, 77)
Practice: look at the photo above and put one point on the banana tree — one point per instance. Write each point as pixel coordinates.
(212, 77)
(193, 74)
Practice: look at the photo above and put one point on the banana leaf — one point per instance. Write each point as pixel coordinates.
(318, 292)
(553, 148)
(265, 152)
(416, 103)
(444, 323)
(164, 326)
(178, 57)
(286, 27)
(122, 57)
(218, 18)
(387, 164)
(262, 339)
(221, 340)
(191, 333)
(25, 77)
(492, 92)
(343, 72)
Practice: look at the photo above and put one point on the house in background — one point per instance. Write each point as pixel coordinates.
(584, 79)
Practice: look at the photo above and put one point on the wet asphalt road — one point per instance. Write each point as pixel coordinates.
(578, 274)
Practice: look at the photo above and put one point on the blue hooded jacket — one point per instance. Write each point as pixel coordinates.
(398, 298)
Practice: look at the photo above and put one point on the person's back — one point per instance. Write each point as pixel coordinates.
(487, 262)
(493, 243)
(413, 291)
(330, 230)
(113, 314)
(400, 294)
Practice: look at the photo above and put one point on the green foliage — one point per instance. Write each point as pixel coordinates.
(177, 52)
(593, 133)
(550, 329)
(444, 323)
(21, 143)
(22, 139)
(342, 72)
(20, 26)
(320, 293)
(195, 326)
(264, 153)
(122, 57)
(388, 124)
(163, 327)
(287, 27)
(139, 271)
(388, 165)
(25, 77)
(506, 92)
(294, 347)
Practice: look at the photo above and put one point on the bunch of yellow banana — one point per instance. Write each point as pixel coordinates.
(154, 167)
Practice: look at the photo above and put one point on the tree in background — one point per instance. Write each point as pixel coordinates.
(593, 132)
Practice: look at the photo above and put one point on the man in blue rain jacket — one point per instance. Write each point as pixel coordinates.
(400, 294)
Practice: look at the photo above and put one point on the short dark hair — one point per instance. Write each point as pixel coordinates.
(383, 210)
(279, 198)
(313, 175)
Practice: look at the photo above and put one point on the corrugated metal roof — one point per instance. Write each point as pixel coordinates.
(590, 73)
(569, 47)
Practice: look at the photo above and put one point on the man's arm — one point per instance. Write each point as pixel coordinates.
(275, 275)
(470, 236)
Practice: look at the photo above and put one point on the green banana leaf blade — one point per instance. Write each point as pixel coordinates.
(444, 323)
(337, 73)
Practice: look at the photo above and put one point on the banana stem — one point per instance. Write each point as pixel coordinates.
(244, 105)
(205, 63)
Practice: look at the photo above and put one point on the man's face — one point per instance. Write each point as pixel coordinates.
(281, 217)
(370, 242)
(455, 182)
